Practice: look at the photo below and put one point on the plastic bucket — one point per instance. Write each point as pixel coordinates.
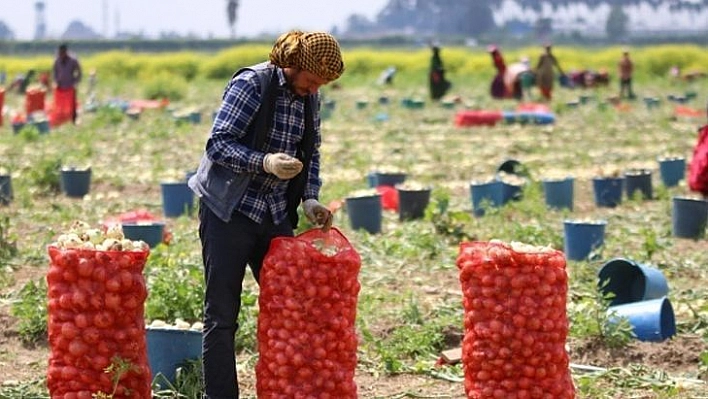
(689, 217)
(486, 194)
(167, 349)
(513, 167)
(559, 193)
(195, 117)
(372, 179)
(582, 238)
(17, 127)
(365, 213)
(5, 189)
(151, 233)
(631, 281)
(638, 180)
(177, 199)
(42, 126)
(651, 320)
(389, 179)
(608, 191)
(412, 203)
(75, 183)
(672, 171)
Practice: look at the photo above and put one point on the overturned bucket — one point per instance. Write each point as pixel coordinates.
(652, 320)
(631, 281)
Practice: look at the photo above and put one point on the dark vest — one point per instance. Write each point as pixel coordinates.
(221, 189)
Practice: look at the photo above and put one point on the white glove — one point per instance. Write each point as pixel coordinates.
(317, 214)
(282, 165)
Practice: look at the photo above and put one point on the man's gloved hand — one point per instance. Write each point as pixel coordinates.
(317, 213)
(282, 165)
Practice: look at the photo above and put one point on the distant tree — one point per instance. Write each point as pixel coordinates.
(79, 31)
(616, 26)
(359, 23)
(5, 32)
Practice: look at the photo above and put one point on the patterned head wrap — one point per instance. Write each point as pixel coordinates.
(316, 52)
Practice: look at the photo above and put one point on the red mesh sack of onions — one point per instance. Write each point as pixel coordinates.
(96, 292)
(514, 298)
(306, 335)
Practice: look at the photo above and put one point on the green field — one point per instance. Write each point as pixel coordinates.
(410, 306)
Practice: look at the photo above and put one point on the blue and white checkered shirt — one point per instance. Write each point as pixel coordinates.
(239, 106)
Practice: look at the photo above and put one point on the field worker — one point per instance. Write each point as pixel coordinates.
(626, 68)
(246, 193)
(545, 72)
(438, 84)
(67, 75)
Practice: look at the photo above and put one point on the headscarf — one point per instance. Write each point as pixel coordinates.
(316, 52)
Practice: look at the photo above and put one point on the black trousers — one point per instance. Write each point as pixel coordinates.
(226, 250)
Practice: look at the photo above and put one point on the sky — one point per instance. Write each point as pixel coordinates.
(205, 18)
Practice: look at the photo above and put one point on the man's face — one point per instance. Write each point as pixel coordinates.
(304, 82)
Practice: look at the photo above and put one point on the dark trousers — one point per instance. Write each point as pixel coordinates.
(626, 85)
(226, 250)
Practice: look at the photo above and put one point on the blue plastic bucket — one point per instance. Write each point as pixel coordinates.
(608, 191)
(558, 193)
(17, 127)
(5, 189)
(582, 238)
(651, 320)
(412, 203)
(372, 179)
(672, 171)
(689, 217)
(177, 199)
(486, 194)
(75, 183)
(638, 181)
(167, 349)
(151, 233)
(511, 192)
(631, 281)
(195, 117)
(390, 179)
(365, 213)
(42, 126)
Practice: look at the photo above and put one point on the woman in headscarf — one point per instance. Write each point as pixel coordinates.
(545, 73)
(438, 84)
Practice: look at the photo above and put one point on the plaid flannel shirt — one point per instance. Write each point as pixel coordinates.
(240, 103)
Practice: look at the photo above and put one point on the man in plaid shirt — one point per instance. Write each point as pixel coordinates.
(243, 190)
